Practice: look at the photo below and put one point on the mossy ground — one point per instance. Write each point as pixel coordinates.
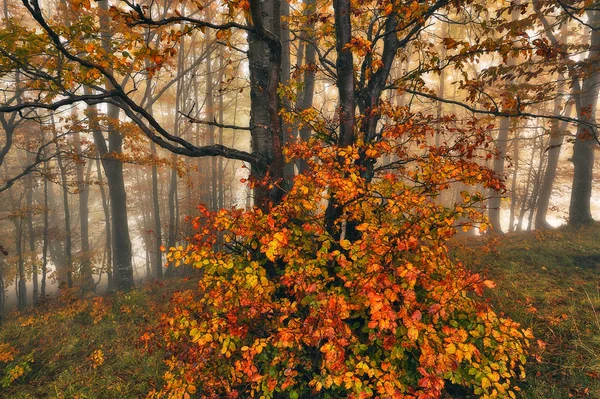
(548, 281)
(86, 348)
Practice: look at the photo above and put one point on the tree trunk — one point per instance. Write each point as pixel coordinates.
(17, 219)
(494, 203)
(286, 67)
(210, 116)
(84, 194)
(513, 188)
(67, 215)
(31, 236)
(107, 229)
(156, 253)
(113, 168)
(306, 98)
(557, 135)
(586, 98)
(264, 57)
(45, 238)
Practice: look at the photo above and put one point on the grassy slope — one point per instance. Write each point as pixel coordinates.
(547, 281)
(56, 347)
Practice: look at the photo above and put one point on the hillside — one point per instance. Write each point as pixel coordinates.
(92, 348)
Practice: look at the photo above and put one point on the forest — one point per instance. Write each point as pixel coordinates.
(299, 199)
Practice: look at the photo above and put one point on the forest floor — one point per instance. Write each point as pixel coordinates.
(548, 281)
(92, 348)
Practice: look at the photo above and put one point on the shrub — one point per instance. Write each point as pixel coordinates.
(365, 305)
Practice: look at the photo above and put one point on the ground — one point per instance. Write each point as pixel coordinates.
(92, 348)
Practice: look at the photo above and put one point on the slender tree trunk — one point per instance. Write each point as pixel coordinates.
(31, 236)
(67, 215)
(20, 278)
(221, 175)
(210, 115)
(156, 258)
(286, 67)
(107, 228)
(83, 194)
(45, 237)
(306, 98)
(513, 188)
(176, 131)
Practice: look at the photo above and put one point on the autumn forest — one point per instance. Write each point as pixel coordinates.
(299, 199)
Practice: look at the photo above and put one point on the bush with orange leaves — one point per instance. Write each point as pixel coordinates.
(296, 308)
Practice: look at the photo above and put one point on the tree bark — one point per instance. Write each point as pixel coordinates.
(557, 135)
(45, 238)
(83, 194)
(586, 99)
(264, 57)
(31, 236)
(67, 215)
(306, 98)
(107, 228)
(113, 168)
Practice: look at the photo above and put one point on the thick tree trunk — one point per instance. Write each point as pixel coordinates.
(557, 135)
(121, 244)
(113, 168)
(586, 100)
(345, 71)
(221, 174)
(264, 56)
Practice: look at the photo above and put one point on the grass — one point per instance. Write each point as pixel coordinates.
(86, 348)
(547, 281)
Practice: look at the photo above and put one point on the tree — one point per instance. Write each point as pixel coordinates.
(289, 309)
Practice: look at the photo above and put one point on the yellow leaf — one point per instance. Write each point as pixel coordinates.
(485, 383)
(413, 333)
(345, 244)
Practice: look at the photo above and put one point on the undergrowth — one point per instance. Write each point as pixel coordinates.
(548, 281)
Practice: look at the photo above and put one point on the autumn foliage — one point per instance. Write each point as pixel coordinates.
(289, 309)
